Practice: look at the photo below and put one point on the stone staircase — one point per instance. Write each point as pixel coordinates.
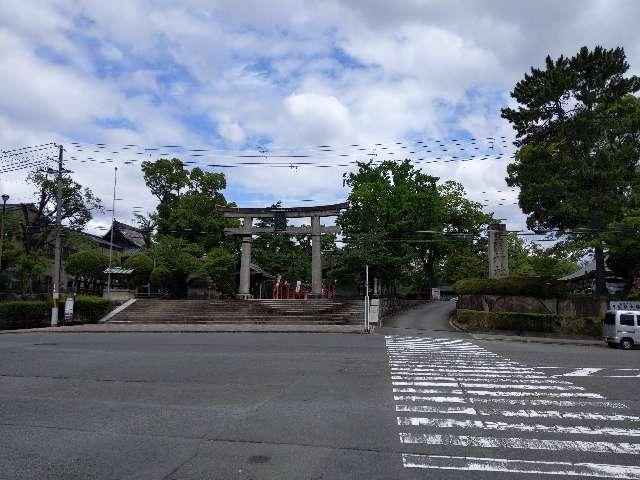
(272, 312)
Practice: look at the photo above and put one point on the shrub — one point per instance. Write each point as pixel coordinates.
(161, 277)
(90, 309)
(530, 322)
(532, 287)
(24, 314)
(634, 294)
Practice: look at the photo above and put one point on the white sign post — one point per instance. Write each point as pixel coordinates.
(68, 309)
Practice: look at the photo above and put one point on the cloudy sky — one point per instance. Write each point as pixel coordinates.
(234, 77)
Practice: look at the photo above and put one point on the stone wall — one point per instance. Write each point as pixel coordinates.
(569, 307)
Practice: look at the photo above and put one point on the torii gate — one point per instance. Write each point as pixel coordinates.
(280, 215)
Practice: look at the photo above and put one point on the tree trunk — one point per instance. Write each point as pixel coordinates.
(601, 276)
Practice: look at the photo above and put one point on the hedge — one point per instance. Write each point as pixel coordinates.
(88, 309)
(531, 287)
(34, 313)
(529, 322)
(24, 314)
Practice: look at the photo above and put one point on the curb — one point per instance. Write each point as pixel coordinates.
(180, 329)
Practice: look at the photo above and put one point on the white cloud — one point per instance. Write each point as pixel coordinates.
(288, 73)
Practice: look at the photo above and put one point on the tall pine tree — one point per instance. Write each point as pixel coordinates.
(578, 139)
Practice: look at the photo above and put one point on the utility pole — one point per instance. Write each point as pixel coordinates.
(58, 253)
(366, 298)
(113, 222)
(5, 197)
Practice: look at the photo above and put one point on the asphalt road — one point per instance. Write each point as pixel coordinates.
(312, 406)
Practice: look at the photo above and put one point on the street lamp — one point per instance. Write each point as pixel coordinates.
(5, 197)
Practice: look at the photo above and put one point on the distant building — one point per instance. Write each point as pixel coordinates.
(584, 280)
(128, 238)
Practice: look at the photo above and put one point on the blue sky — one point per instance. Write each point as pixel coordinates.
(228, 76)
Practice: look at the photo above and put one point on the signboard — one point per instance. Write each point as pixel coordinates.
(298, 284)
(280, 221)
(374, 310)
(624, 305)
(435, 294)
(68, 309)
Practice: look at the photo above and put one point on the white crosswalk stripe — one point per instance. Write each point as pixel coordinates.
(456, 397)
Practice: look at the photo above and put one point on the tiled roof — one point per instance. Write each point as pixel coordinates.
(131, 234)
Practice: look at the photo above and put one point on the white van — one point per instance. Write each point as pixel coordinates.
(621, 328)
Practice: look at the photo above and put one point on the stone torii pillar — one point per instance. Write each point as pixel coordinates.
(316, 231)
(316, 257)
(245, 259)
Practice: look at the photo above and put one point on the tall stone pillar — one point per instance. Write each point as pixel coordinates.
(245, 260)
(498, 251)
(316, 258)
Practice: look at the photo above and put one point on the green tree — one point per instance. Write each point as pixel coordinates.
(142, 265)
(388, 203)
(161, 277)
(578, 139)
(30, 266)
(460, 251)
(88, 268)
(188, 202)
(39, 220)
(177, 256)
(220, 266)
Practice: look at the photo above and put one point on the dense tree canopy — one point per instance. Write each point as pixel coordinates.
(188, 202)
(405, 225)
(578, 133)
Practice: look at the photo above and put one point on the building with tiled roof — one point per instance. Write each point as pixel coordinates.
(127, 237)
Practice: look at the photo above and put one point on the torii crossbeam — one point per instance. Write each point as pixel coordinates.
(248, 230)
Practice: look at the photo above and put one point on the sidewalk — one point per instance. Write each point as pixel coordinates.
(515, 337)
(189, 328)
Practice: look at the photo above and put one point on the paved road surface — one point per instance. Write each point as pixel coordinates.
(412, 401)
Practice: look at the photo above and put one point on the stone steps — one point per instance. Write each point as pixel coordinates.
(281, 312)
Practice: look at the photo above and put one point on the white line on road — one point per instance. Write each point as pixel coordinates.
(488, 393)
(580, 469)
(622, 448)
(520, 427)
(516, 386)
(552, 414)
(582, 372)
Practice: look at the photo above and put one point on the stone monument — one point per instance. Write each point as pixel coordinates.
(498, 251)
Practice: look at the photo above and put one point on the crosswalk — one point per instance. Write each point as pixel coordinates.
(462, 407)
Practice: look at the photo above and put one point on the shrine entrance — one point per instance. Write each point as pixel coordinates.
(280, 227)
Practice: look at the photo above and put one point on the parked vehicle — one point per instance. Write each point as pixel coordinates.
(621, 328)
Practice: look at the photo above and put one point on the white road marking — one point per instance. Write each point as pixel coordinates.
(580, 469)
(544, 402)
(521, 427)
(623, 448)
(427, 377)
(418, 398)
(582, 372)
(552, 414)
(517, 386)
(488, 393)
(459, 387)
